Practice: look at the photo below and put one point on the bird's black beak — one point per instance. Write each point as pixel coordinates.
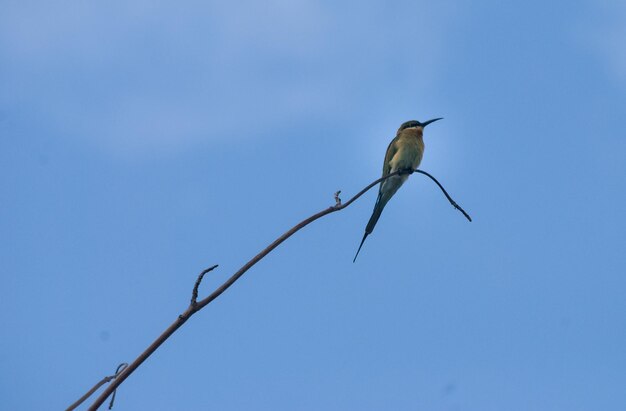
(425, 123)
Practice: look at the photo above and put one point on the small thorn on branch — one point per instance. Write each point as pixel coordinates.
(194, 294)
(458, 207)
(337, 199)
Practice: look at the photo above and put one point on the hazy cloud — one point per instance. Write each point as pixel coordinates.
(605, 35)
(125, 75)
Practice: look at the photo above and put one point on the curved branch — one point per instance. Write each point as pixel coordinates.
(454, 204)
(194, 293)
(119, 369)
(196, 306)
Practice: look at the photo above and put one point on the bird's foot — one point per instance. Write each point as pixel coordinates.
(407, 170)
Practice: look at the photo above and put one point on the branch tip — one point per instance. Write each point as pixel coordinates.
(454, 204)
(194, 293)
(119, 369)
(337, 199)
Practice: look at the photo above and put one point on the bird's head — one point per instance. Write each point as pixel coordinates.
(414, 124)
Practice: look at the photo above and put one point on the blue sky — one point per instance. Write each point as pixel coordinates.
(141, 142)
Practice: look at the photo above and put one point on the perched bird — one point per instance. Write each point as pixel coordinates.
(403, 154)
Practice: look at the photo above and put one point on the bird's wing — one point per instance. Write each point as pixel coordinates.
(391, 151)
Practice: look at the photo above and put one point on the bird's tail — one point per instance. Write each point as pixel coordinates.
(360, 245)
(378, 209)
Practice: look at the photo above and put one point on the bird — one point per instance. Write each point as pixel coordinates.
(404, 154)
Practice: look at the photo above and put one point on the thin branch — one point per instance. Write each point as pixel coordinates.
(196, 306)
(194, 294)
(119, 369)
(454, 204)
(98, 385)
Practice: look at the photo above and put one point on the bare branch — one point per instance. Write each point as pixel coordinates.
(196, 306)
(454, 204)
(98, 385)
(194, 294)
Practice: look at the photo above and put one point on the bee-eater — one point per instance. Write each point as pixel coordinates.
(404, 154)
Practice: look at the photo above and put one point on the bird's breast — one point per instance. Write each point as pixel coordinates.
(408, 155)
